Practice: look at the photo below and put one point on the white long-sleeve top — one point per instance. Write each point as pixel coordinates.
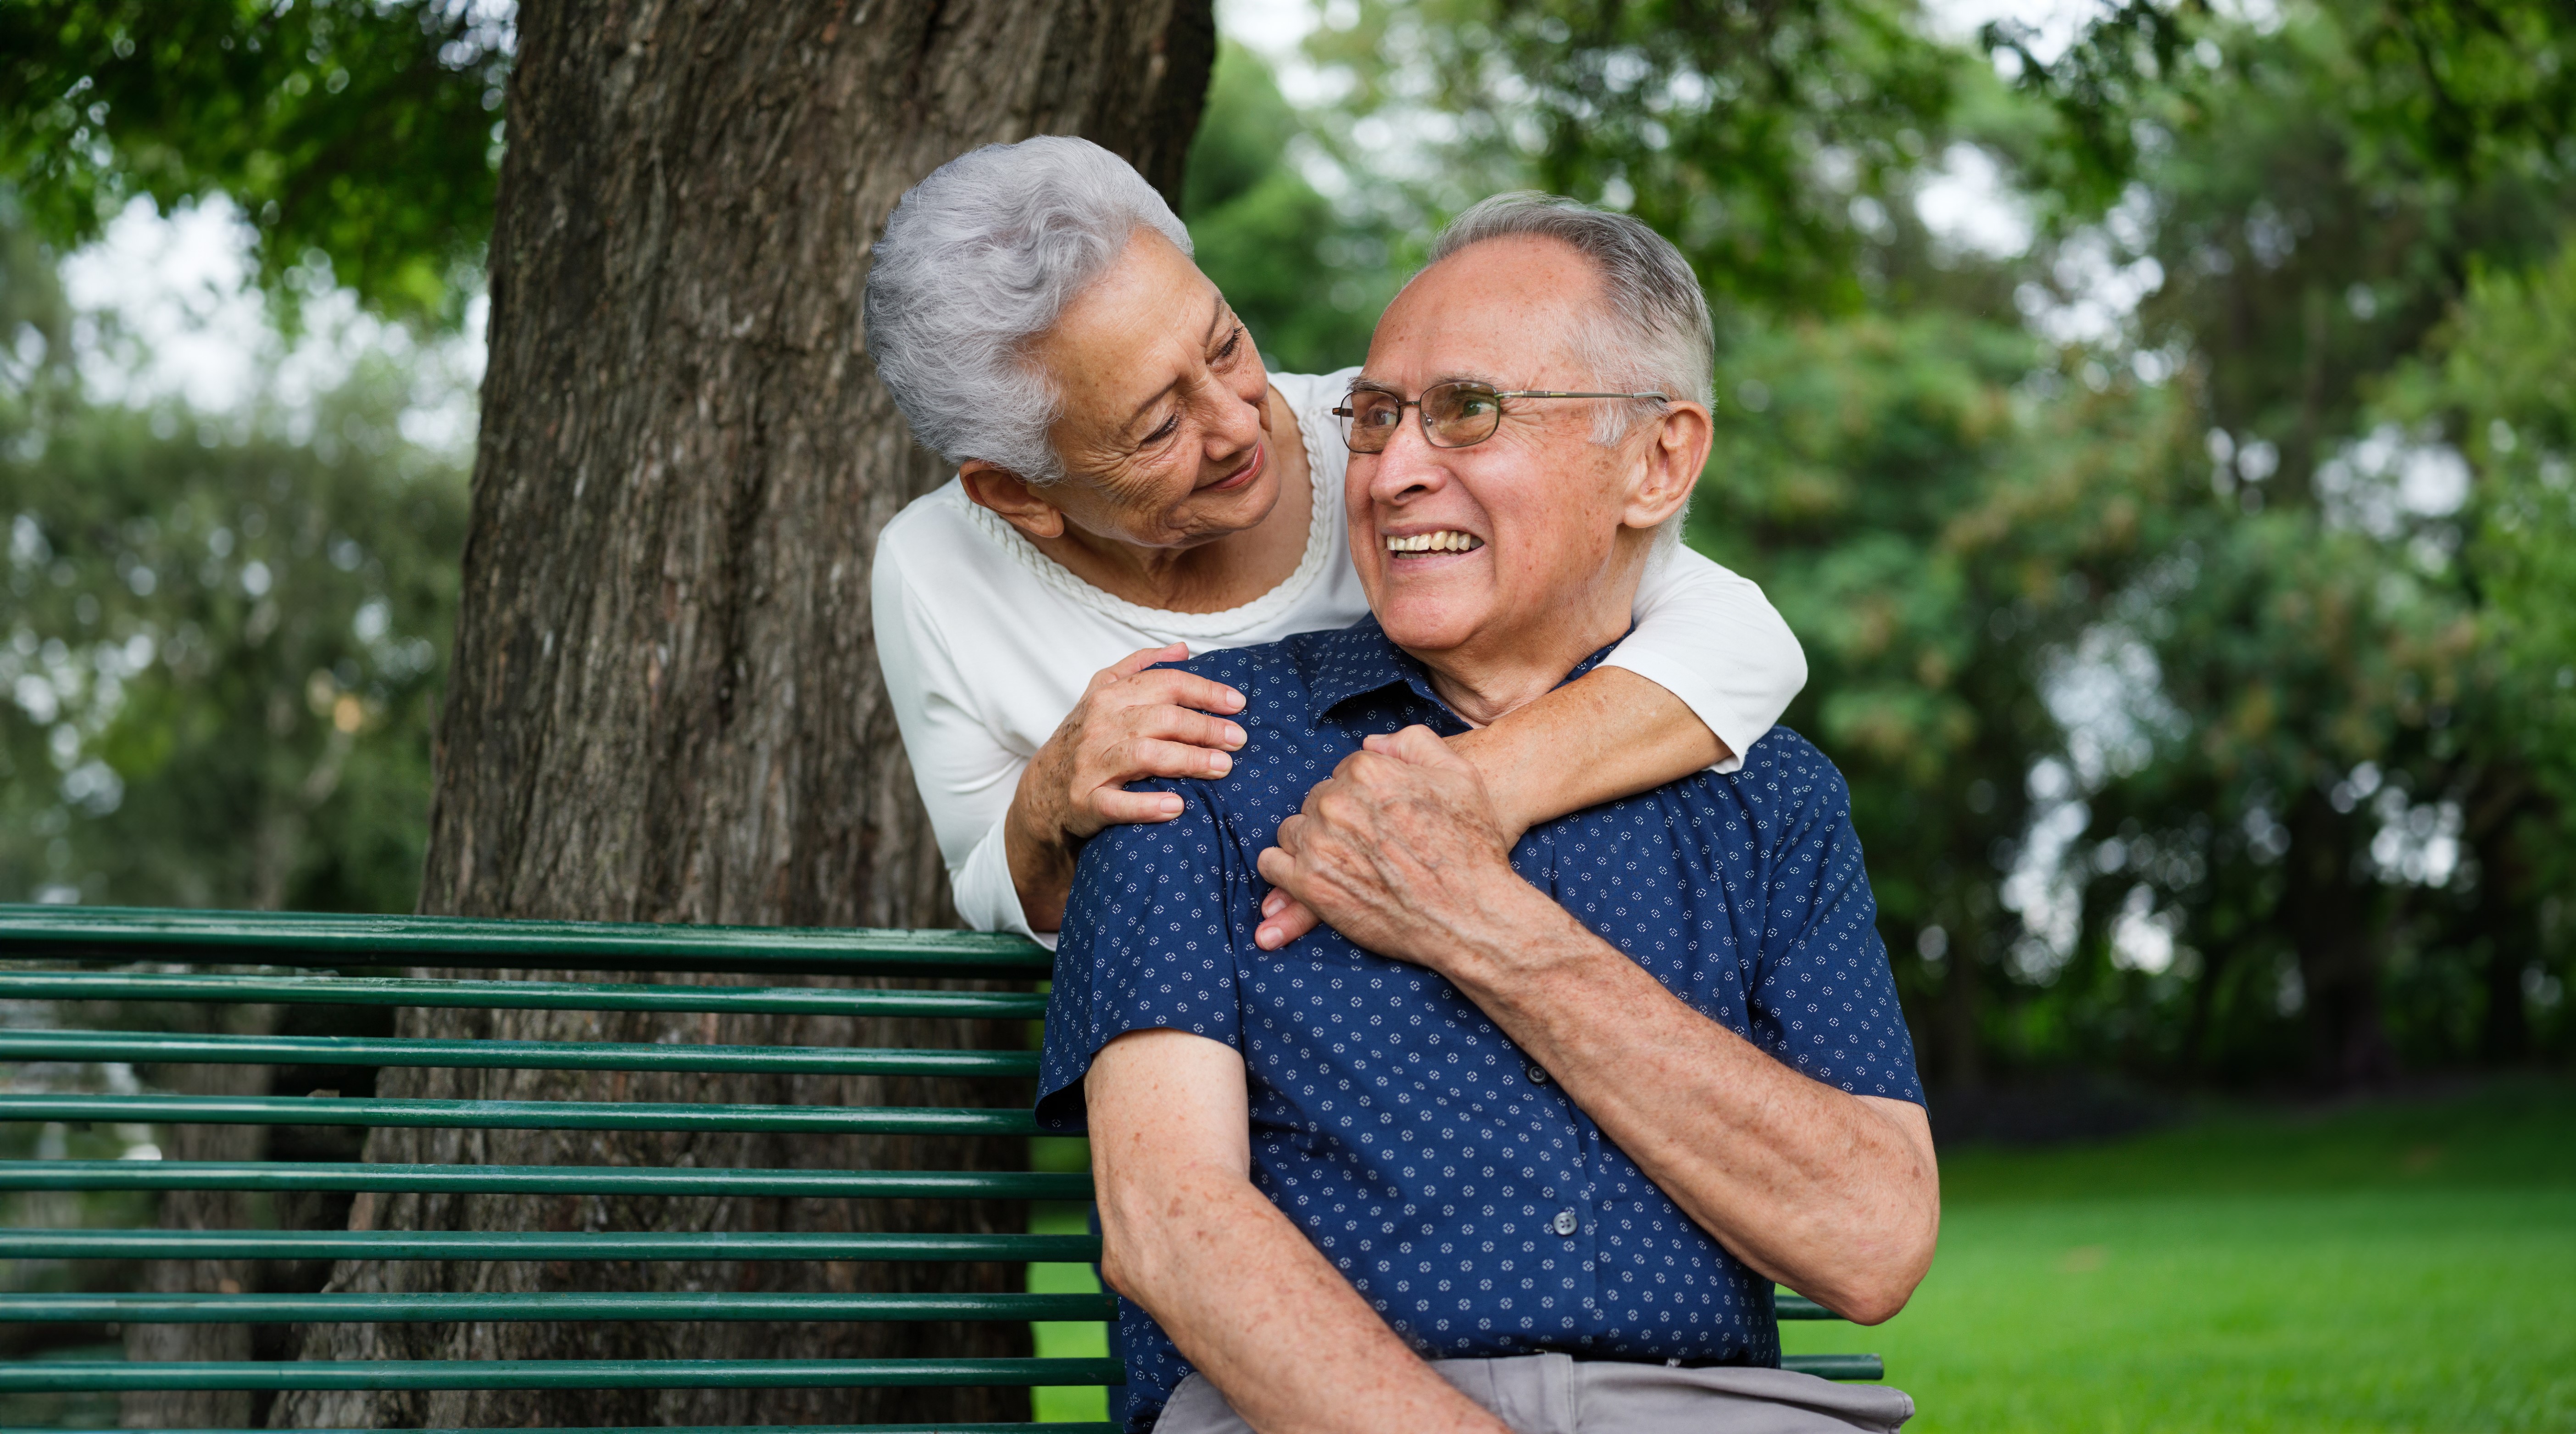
(987, 643)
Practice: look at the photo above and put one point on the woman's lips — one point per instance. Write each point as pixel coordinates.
(1245, 474)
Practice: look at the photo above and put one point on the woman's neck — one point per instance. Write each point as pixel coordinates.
(1212, 577)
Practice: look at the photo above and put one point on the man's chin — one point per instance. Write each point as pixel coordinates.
(1420, 625)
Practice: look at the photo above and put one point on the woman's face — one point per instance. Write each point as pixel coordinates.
(1164, 436)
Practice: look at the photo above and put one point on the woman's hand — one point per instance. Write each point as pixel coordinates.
(1131, 723)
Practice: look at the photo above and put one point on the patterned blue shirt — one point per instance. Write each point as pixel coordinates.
(1478, 1209)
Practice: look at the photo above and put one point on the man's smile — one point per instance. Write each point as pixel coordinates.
(1443, 540)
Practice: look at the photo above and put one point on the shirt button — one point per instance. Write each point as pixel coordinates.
(1565, 1223)
(1537, 1075)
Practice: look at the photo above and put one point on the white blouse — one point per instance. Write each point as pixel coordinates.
(987, 643)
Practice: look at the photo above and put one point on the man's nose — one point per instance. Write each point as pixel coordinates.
(1409, 466)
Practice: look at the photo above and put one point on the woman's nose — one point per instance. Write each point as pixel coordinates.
(1233, 421)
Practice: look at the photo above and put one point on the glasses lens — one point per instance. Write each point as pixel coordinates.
(1458, 415)
(1370, 420)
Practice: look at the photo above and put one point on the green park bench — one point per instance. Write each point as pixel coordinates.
(68, 954)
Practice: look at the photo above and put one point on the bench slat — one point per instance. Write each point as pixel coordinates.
(162, 1048)
(514, 1114)
(278, 938)
(696, 1429)
(74, 1376)
(80, 1376)
(511, 995)
(532, 1245)
(541, 1180)
(699, 1429)
(577, 1305)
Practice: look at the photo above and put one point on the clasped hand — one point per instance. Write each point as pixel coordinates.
(1400, 850)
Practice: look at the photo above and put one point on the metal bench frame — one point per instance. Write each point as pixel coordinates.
(312, 944)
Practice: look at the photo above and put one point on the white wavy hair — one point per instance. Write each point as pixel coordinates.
(979, 261)
(1658, 336)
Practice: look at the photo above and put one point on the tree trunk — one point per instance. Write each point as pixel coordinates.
(2329, 909)
(664, 703)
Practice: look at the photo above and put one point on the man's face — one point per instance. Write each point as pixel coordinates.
(1537, 532)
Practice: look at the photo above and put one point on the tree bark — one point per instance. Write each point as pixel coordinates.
(665, 703)
(2329, 908)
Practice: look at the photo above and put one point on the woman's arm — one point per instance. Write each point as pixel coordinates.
(1708, 670)
(965, 773)
(1710, 666)
(1135, 720)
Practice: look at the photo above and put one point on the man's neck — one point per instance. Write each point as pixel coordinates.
(1488, 677)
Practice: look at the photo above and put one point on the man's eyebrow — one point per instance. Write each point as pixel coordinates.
(1379, 385)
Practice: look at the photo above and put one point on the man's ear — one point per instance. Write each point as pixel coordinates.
(1021, 503)
(1676, 449)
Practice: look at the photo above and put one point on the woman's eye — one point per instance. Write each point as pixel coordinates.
(1169, 427)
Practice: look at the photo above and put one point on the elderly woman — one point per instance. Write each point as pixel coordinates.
(1132, 487)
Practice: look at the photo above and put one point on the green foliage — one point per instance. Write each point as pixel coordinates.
(1745, 132)
(1308, 281)
(362, 132)
(2503, 377)
(224, 642)
(2459, 88)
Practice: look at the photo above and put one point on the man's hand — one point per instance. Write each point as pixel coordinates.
(1400, 850)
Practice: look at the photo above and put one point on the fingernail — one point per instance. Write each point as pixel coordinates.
(1171, 806)
(1219, 764)
(1233, 735)
(1237, 697)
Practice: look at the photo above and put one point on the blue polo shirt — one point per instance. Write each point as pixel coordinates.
(1479, 1210)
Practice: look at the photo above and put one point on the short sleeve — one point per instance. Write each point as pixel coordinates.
(1709, 637)
(1824, 1002)
(1158, 923)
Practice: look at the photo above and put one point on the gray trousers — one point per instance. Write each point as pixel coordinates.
(1558, 1394)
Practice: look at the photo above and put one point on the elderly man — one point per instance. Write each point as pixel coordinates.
(1525, 1138)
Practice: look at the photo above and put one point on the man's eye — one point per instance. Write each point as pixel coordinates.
(1233, 346)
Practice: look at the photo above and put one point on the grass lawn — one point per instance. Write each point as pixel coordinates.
(2400, 1266)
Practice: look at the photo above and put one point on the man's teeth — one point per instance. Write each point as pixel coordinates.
(1435, 543)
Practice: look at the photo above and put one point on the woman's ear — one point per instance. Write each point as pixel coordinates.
(1020, 503)
(1676, 449)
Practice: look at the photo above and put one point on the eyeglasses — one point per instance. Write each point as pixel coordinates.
(1457, 414)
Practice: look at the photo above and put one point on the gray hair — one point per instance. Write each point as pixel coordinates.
(980, 260)
(1657, 337)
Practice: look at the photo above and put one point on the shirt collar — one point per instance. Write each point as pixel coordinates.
(1360, 659)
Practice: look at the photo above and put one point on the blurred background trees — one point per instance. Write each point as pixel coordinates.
(2157, 420)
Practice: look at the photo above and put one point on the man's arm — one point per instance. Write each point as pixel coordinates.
(1708, 670)
(1835, 1195)
(1609, 734)
(1250, 1301)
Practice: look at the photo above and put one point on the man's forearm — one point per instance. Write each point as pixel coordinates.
(1250, 1301)
(1829, 1193)
(1257, 1308)
(1606, 735)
